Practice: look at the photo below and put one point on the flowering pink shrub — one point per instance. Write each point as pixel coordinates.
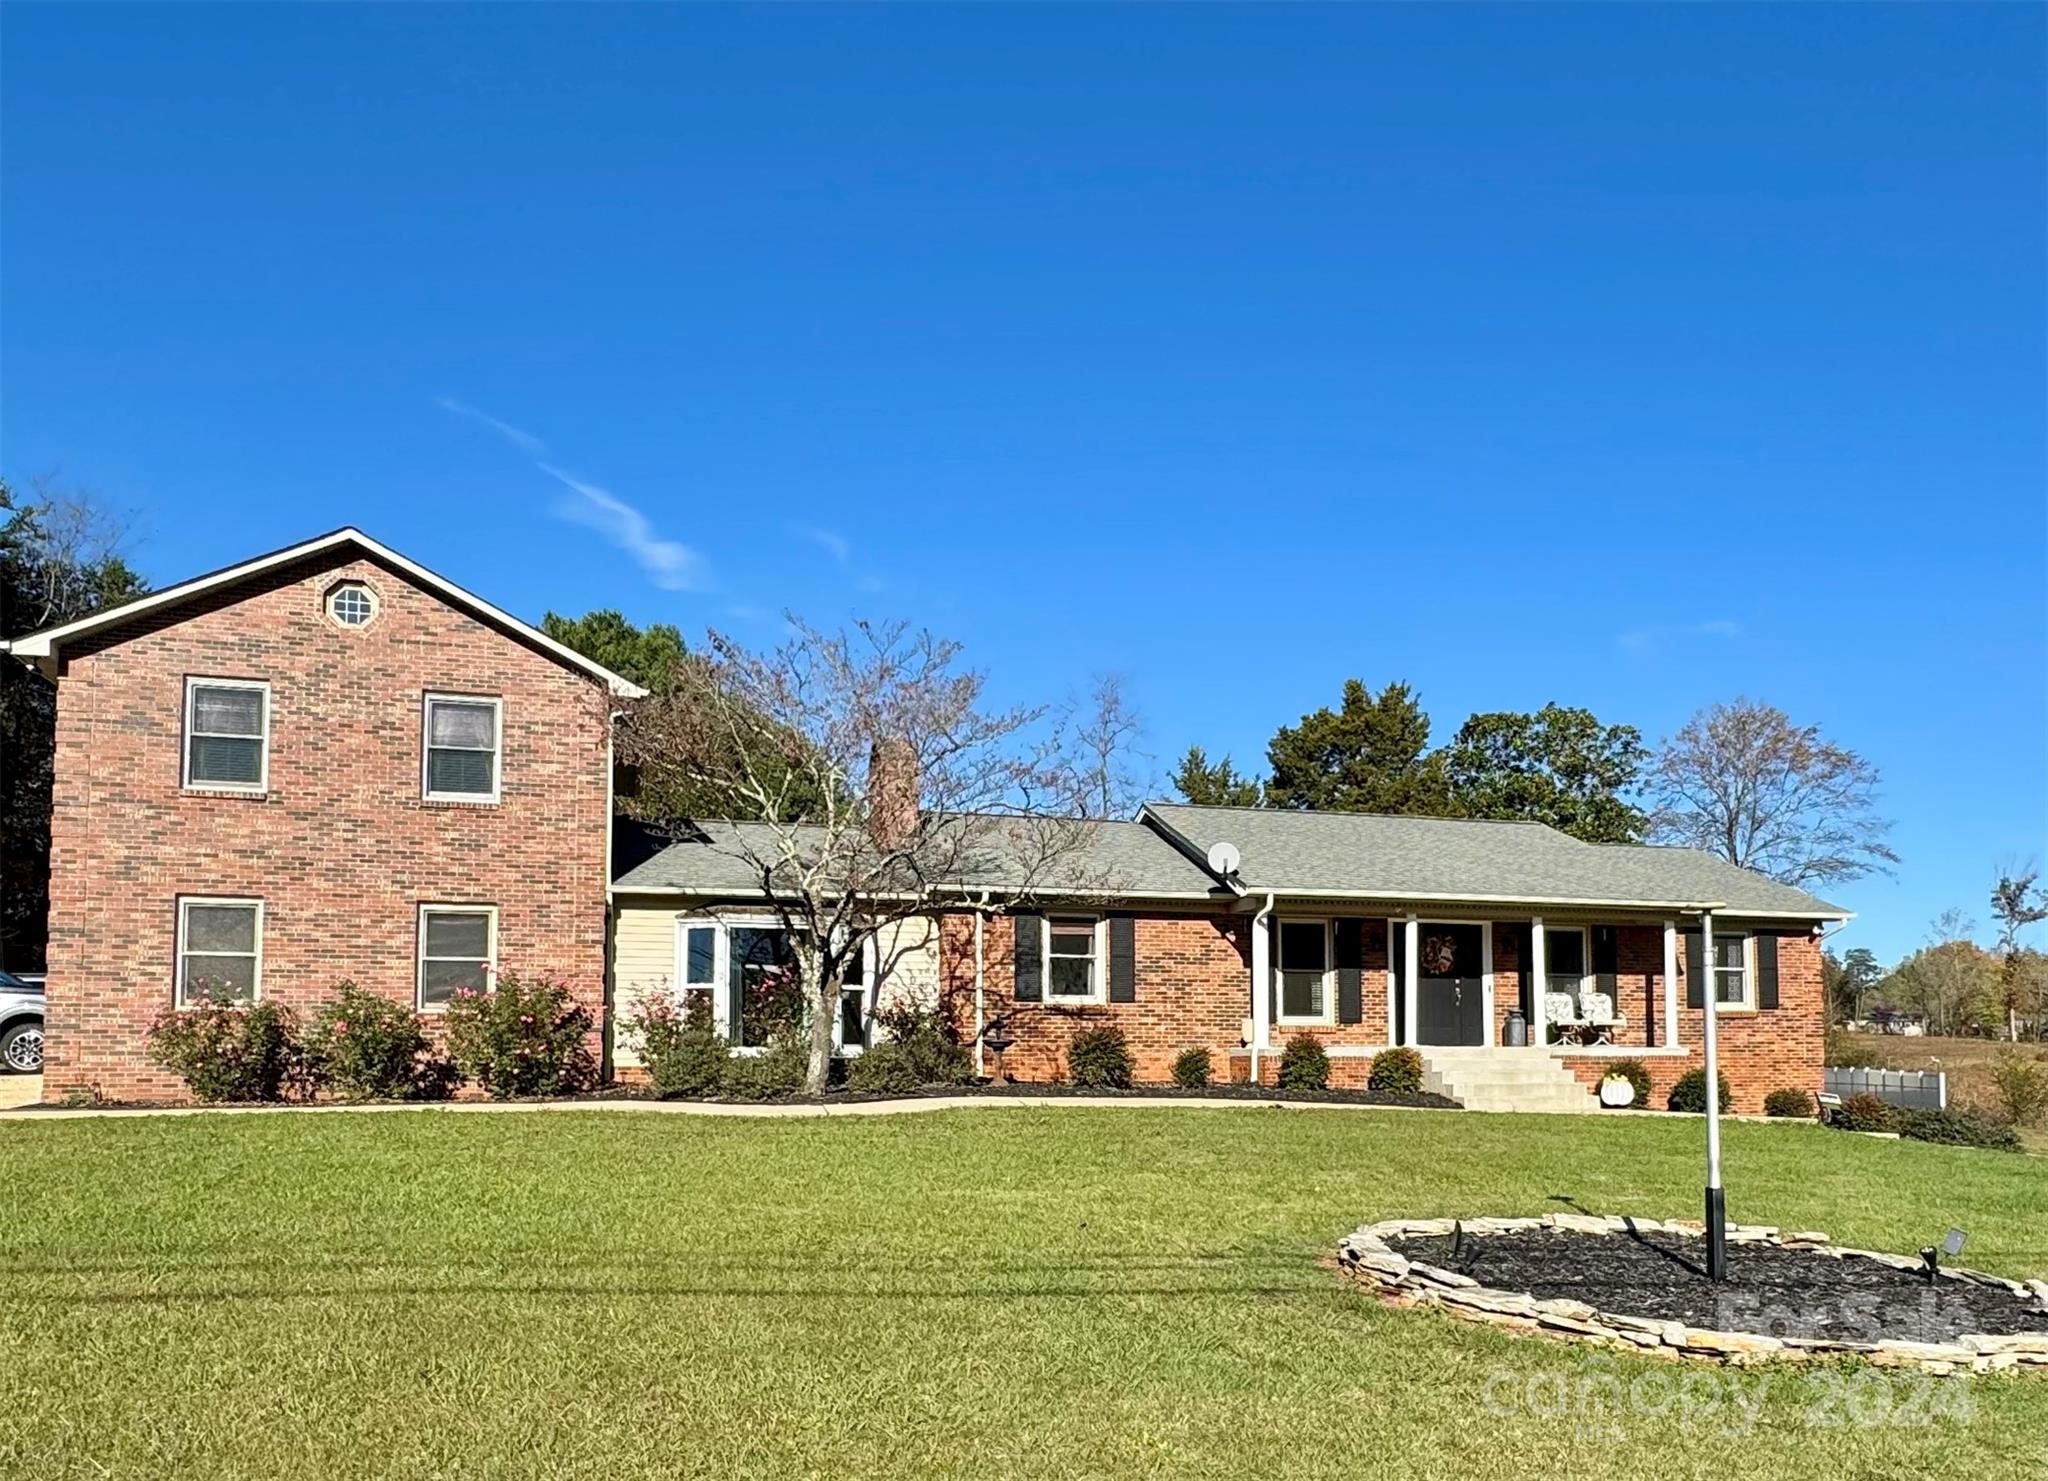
(368, 1047)
(231, 1052)
(682, 1048)
(524, 1038)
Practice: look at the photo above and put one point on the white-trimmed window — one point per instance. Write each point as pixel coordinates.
(458, 949)
(1304, 968)
(460, 761)
(227, 734)
(1566, 966)
(351, 604)
(1073, 959)
(1734, 981)
(747, 960)
(220, 950)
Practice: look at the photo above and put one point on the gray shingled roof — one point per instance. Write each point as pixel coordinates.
(714, 858)
(1365, 854)
(1295, 853)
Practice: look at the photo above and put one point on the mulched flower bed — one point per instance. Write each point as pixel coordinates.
(1001, 1091)
(1641, 1284)
(1773, 1289)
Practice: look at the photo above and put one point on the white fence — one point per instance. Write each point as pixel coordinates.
(1923, 1089)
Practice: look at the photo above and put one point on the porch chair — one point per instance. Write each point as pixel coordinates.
(1561, 1011)
(1597, 1016)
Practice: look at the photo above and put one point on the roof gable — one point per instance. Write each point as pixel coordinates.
(43, 648)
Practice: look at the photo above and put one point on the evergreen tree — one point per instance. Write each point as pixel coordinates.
(1370, 755)
(1214, 786)
(1558, 766)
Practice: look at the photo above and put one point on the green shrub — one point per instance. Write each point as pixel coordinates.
(2022, 1086)
(370, 1048)
(914, 1048)
(523, 1038)
(1638, 1076)
(1956, 1128)
(685, 1054)
(226, 1052)
(1191, 1069)
(1100, 1059)
(776, 1072)
(1863, 1112)
(1791, 1103)
(1304, 1064)
(1690, 1093)
(1395, 1072)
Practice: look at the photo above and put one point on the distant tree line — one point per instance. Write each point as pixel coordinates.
(1740, 779)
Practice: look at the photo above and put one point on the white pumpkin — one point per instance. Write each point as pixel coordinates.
(1617, 1090)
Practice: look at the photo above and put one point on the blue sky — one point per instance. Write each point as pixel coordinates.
(1624, 357)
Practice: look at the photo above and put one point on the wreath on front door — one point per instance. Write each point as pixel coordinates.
(1440, 955)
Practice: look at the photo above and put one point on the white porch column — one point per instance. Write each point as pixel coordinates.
(1539, 984)
(1262, 983)
(1669, 1036)
(1486, 983)
(1411, 957)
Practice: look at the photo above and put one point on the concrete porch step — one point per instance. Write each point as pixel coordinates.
(1482, 1079)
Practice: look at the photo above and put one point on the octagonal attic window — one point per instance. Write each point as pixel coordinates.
(352, 605)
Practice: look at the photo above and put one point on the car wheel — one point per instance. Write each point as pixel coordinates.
(21, 1048)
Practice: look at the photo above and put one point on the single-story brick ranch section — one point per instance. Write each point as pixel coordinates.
(331, 763)
(1456, 937)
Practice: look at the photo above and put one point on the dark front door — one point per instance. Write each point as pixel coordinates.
(1449, 990)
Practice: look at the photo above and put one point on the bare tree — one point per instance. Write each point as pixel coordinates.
(1743, 781)
(880, 785)
(2019, 901)
(1116, 776)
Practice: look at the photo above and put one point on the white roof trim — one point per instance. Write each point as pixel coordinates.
(46, 644)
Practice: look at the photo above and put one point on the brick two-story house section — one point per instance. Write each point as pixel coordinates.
(324, 764)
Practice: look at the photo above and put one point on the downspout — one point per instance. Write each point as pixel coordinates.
(1261, 991)
(980, 919)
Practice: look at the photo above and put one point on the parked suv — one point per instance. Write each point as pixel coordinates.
(21, 1025)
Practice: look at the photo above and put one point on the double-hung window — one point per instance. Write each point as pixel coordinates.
(1304, 971)
(220, 951)
(227, 734)
(699, 962)
(1564, 959)
(462, 748)
(1732, 978)
(458, 950)
(853, 1001)
(1073, 959)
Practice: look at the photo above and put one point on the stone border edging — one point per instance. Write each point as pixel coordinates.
(1400, 1281)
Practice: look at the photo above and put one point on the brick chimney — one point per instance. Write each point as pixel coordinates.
(892, 792)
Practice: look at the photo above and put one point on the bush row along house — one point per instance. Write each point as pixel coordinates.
(329, 763)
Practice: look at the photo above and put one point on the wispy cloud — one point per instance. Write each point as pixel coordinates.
(1643, 639)
(670, 564)
(835, 545)
(526, 442)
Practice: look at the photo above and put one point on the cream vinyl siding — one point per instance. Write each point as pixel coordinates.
(644, 960)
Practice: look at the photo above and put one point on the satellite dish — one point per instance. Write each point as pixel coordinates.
(1223, 859)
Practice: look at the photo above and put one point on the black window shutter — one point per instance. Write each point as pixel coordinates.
(1695, 971)
(1606, 961)
(1766, 970)
(1123, 959)
(1397, 963)
(1350, 971)
(1030, 963)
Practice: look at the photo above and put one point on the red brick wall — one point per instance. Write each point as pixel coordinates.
(342, 850)
(1192, 976)
(1761, 1051)
(1192, 989)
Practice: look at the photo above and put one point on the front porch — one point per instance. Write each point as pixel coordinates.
(1461, 980)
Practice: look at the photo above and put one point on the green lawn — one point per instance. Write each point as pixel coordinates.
(999, 1292)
